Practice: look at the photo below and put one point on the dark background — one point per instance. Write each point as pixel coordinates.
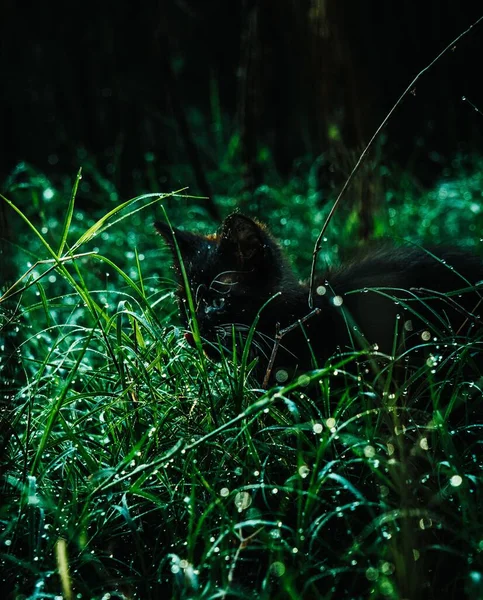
(170, 83)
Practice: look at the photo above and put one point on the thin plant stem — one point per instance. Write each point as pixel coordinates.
(364, 153)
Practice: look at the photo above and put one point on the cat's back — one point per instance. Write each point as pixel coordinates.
(410, 282)
(438, 268)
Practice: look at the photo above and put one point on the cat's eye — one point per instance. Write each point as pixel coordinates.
(218, 303)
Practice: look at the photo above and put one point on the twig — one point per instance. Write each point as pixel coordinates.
(475, 108)
(268, 372)
(278, 338)
(244, 542)
(366, 150)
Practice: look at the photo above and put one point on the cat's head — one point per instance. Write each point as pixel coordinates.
(231, 273)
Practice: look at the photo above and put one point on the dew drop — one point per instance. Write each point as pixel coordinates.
(281, 376)
(456, 480)
(277, 569)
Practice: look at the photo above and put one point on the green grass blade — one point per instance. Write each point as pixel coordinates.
(70, 212)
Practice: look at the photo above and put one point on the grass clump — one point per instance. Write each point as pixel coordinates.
(135, 468)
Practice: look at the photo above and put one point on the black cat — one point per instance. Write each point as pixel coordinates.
(390, 300)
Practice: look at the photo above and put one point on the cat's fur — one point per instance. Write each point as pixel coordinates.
(393, 298)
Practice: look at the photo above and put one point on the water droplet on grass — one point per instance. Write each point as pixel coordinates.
(277, 569)
(281, 376)
(243, 500)
(456, 480)
(304, 471)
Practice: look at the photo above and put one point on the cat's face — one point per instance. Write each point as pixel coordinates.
(231, 274)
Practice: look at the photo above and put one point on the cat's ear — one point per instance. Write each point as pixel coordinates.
(188, 243)
(245, 239)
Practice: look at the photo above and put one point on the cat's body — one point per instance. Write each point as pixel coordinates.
(392, 298)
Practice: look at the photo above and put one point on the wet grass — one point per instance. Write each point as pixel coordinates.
(133, 467)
